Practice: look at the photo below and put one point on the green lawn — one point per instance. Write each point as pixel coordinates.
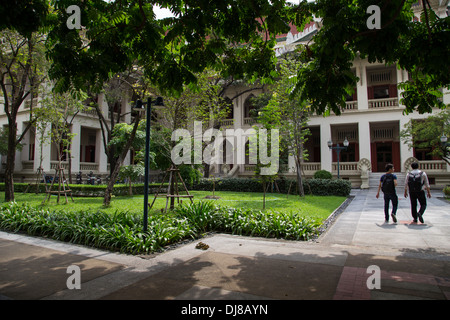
(316, 207)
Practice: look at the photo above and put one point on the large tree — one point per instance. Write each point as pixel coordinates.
(22, 71)
(426, 134)
(115, 35)
(285, 109)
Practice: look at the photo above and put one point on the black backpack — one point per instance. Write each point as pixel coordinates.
(415, 182)
(387, 185)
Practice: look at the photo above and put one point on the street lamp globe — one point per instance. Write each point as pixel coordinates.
(346, 142)
(330, 143)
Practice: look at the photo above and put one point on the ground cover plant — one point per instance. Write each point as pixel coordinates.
(119, 227)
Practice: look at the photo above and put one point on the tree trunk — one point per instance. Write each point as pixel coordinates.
(70, 162)
(298, 166)
(109, 188)
(118, 164)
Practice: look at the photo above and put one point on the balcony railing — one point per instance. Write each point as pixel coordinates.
(88, 166)
(84, 166)
(227, 122)
(383, 103)
(348, 167)
(433, 166)
(351, 105)
(27, 165)
(90, 112)
(308, 168)
(54, 165)
(249, 121)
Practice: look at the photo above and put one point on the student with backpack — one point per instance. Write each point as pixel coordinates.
(388, 182)
(416, 183)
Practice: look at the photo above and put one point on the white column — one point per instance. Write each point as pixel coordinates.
(102, 159)
(18, 155)
(126, 109)
(446, 96)
(401, 77)
(325, 152)
(361, 87)
(103, 104)
(46, 149)
(291, 164)
(364, 139)
(405, 152)
(238, 112)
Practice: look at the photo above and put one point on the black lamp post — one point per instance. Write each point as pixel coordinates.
(338, 150)
(139, 107)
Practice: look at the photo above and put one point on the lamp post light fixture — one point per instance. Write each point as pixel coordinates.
(444, 142)
(139, 107)
(338, 150)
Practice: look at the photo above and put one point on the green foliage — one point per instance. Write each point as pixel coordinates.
(323, 187)
(190, 173)
(207, 217)
(87, 190)
(131, 173)
(122, 133)
(125, 33)
(426, 134)
(201, 215)
(447, 191)
(122, 231)
(326, 187)
(420, 48)
(322, 174)
(24, 16)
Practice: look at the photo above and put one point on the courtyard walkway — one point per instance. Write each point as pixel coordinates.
(359, 257)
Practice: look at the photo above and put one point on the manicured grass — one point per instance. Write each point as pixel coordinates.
(315, 207)
(120, 226)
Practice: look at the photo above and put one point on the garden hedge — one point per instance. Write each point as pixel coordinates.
(87, 190)
(322, 187)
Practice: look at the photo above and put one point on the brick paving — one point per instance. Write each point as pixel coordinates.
(413, 260)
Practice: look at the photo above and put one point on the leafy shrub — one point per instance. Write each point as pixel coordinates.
(121, 231)
(322, 174)
(201, 215)
(87, 190)
(322, 187)
(447, 191)
(327, 187)
(205, 216)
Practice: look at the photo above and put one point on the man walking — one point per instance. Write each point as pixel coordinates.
(388, 182)
(416, 183)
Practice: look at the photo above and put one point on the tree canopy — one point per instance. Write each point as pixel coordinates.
(118, 34)
(237, 38)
